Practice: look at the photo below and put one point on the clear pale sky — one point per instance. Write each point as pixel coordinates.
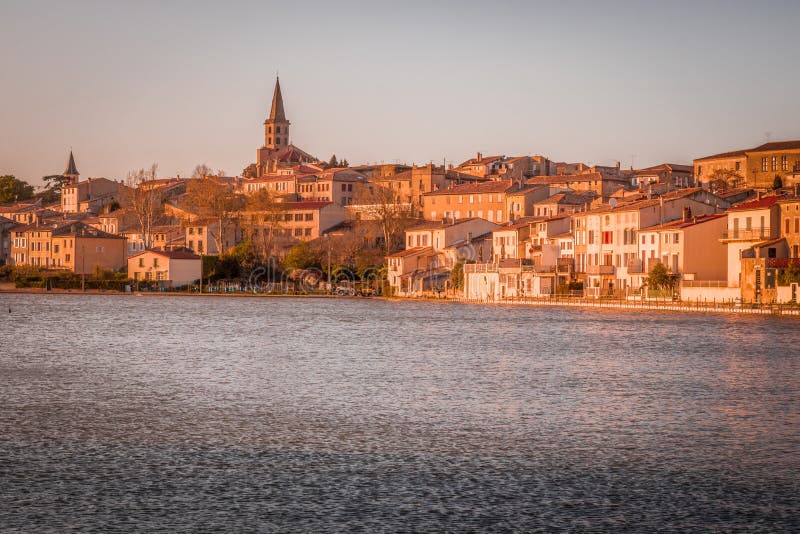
(181, 83)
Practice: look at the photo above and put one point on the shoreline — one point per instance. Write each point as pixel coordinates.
(780, 310)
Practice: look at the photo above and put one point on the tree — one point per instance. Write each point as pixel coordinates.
(212, 200)
(303, 256)
(333, 162)
(730, 177)
(790, 275)
(661, 278)
(54, 183)
(777, 183)
(386, 208)
(201, 170)
(144, 201)
(12, 190)
(264, 222)
(344, 163)
(457, 275)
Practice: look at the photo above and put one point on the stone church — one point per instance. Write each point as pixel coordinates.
(277, 153)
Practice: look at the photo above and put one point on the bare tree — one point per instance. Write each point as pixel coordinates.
(727, 176)
(386, 208)
(264, 220)
(217, 202)
(201, 170)
(144, 200)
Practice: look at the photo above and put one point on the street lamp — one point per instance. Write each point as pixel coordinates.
(330, 284)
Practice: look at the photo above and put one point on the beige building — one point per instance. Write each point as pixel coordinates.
(749, 224)
(68, 245)
(753, 167)
(689, 247)
(304, 220)
(498, 201)
(790, 224)
(172, 268)
(432, 249)
(203, 235)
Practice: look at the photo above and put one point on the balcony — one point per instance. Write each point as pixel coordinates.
(746, 234)
(599, 269)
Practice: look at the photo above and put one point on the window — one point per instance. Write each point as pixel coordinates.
(99, 250)
(738, 165)
(784, 163)
(200, 247)
(277, 129)
(298, 232)
(307, 232)
(677, 238)
(155, 262)
(774, 163)
(764, 164)
(344, 187)
(191, 245)
(67, 258)
(199, 231)
(309, 216)
(141, 262)
(191, 231)
(55, 249)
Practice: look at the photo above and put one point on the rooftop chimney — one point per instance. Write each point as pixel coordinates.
(480, 157)
(687, 213)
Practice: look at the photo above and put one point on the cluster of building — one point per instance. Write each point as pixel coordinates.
(517, 226)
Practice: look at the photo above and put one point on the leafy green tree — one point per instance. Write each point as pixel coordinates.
(457, 275)
(789, 275)
(333, 162)
(302, 256)
(12, 189)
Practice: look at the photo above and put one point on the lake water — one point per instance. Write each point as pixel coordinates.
(124, 413)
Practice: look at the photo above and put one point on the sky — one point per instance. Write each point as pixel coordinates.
(182, 82)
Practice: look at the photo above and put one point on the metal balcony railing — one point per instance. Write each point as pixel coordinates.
(761, 232)
(599, 269)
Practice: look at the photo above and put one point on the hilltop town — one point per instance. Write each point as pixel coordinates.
(726, 227)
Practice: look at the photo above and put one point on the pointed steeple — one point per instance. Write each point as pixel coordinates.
(276, 113)
(71, 170)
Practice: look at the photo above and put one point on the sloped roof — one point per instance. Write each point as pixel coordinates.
(492, 186)
(764, 202)
(276, 112)
(171, 254)
(71, 169)
(777, 145)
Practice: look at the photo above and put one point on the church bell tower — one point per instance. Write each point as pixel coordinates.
(276, 127)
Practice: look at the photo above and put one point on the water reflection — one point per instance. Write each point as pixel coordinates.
(317, 414)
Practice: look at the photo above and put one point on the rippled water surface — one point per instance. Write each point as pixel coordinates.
(122, 413)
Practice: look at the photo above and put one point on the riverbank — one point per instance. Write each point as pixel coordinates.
(782, 310)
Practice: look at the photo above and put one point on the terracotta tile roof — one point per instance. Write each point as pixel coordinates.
(484, 160)
(411, 252)
(777, 145)
(565, 178)
(306, 205)
(665, 167)
(492, 186)
(434, 225)
(171, 254)
(765, 202)
(680, 223)
(731, 154)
